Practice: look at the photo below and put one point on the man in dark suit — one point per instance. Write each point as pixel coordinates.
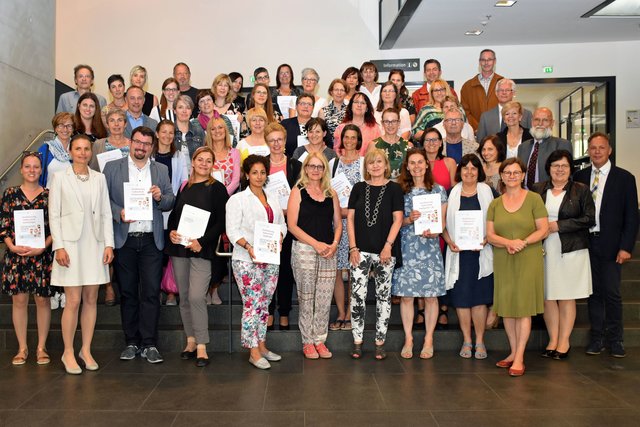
(610, 244)
(139, 244)
(491, 121)
(135, 116)
(534, 152)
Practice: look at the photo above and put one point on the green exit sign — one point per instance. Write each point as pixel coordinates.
(547, 69)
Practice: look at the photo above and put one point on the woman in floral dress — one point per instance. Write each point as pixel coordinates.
(422, 272)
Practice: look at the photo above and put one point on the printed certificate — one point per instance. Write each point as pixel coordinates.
(266, 243)
(469, 230)
(193, 223)
(278, 186)
(342, 187)
(260, 150)
(138, 202)
(29, 228)
(107, 156)
(430, 209)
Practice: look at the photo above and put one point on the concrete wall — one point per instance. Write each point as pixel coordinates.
(329, 36)
(27, 60)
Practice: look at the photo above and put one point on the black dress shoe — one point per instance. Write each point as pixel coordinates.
(549, 354)
(562, 356)
(201, 362)
(186, 355)
(284, 327)
(616, 349)
(270, 327)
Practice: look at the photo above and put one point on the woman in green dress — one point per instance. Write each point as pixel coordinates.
(391, 143)
(516, 225)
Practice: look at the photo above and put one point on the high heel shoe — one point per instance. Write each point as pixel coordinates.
(89, 367)
(562, 356)
(75, 371)
(551, 354)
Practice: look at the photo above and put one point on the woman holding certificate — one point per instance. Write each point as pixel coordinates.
(469, 260)
(247, 212)
(82, 231)
(316, 131)
(192, 250)
(567, 271)
(27, 264)
(276, 136)
(314, 220)
(422, 272)
(516, 224)
(374, 219)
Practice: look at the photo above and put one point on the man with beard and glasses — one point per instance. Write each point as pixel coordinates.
(534, 152)
(139, 244)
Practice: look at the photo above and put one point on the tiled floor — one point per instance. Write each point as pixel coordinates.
(444, 391)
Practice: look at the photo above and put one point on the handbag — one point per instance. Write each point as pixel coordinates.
(168, 283)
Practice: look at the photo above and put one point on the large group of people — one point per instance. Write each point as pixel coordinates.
(371, 185)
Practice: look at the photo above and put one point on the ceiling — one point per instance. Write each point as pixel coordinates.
(442, 23)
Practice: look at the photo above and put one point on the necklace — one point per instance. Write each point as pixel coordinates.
(279, 162)
(372, 219)
(82, 178)
(468, 193)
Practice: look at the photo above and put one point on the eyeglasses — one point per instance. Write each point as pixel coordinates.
(360, 102)
(439, 90)
(390, 122)
(338, 90)
(560, 166)
(262, 77)
(143, 143)
(504, 90)
(309, 79)
(63, 126)
(453, 120)
(318, 168)
(431, 140)
(514, 173)
(171, 89)
(284, 73)
(274, 140)
(305, 104)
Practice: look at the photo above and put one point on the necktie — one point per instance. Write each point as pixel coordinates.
(594, 186)
(533, 164)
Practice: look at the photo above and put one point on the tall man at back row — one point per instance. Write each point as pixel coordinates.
(139, 244)
(611, 242)
(478, 94)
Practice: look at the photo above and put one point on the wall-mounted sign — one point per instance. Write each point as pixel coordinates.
(548, 69)
(386, 65)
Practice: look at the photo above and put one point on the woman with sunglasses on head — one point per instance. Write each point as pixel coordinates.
(82, 232)
(55, 153)
(26, 270)
(166, 109)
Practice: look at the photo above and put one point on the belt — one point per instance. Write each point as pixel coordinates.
(140, 234)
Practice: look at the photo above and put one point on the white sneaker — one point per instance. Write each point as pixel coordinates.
(63, 300)
(215, 298)
(55, 301)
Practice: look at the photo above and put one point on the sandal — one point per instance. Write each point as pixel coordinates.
(346, 326)
(440, 325)
(492, 320)
(426, 353)
(356, 353)
(42, 358)
(20, 358)
(465, 351)
(337, 325)
(419, 314)
(481, 351)
(407, 352)
(381, 354)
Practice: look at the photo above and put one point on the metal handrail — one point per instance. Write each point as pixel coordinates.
(15, 162)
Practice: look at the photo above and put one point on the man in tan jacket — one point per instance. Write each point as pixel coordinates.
(479, 93)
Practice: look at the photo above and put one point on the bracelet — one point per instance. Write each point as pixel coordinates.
(353, 249)
(389, 243)
(526, 243)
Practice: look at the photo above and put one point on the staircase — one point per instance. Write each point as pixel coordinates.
(108, 334)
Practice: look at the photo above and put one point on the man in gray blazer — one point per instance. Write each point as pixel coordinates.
(135, 116)
(491, 121)
(534, 152)
(139, 244)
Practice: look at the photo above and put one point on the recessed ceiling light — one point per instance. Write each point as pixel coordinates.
(505, 3)
(473, 33)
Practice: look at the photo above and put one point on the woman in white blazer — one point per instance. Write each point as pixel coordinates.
(82, 231)
(256, 281)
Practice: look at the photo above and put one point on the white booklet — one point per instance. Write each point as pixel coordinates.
(430, 209)
(260, 150)
(138, 202)
(302, 140)
(342, 187)
(107, 156)
(193, 223)
(266, 243)
(278, 186)
(29, 228)
(235, 124)
(218, 174)
(285, 102)
(469, 230)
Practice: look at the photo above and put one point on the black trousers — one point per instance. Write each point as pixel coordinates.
(284, 290)
(605, 304)
(138, 264)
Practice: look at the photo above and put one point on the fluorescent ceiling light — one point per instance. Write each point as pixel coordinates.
(473, 33)
(505, 3)
(615, 9)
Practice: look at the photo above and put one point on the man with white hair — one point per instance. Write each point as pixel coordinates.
(491, 121)
(534, 152)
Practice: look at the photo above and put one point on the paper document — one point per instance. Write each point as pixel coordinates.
(278, 186)
(266, 243)
(430, 209)
(469, 230)
(138, 202)
(107, 156)
(193, 223)
(29, 228)
(342, 187)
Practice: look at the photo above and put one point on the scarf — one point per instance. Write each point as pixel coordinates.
(452, 263)
(58, 151)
